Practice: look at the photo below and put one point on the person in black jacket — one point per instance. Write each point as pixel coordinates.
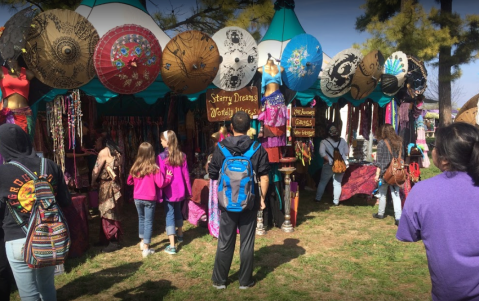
(17, 189)
(238, 144)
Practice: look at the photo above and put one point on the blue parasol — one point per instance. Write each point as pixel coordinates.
(302, 60)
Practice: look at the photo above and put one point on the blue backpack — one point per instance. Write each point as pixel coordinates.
(237, 180)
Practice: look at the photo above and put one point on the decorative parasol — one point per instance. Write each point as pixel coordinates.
(367, 75)
(337, 75)
(417, 75)
(239, 58)
(302, 60)
(60, 49)
(471, 103)
(13, 33)
(128, 59)
(468, 116)
(190, 62)
(394, 73)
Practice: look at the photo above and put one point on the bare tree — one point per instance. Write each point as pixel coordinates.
(432, 92)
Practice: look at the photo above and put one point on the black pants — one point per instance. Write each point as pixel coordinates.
(273, 215)
(229, 222)
(6, 277)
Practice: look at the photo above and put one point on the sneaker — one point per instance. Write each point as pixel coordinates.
(245, 287)
(147, 252)
(170, 250)
(219, 286)
(179, 238)
(375, 215)
(317, 201)
(142, 246)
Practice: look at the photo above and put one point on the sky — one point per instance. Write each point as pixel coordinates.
(332, 22)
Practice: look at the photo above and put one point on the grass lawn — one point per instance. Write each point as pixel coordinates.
(335, 253)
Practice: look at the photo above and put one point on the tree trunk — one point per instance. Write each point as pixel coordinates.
(445, 73)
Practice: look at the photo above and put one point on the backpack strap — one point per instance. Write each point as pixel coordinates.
(252, 150)
(225, 151)
(17, 218)
(332, 158)
(32, 175)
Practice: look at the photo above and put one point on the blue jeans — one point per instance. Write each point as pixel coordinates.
(395, 196)
(146, 215)
(326, 175)
(33, 284)
(174, 218)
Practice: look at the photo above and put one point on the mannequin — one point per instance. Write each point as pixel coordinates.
(273, 110)
(15, 85)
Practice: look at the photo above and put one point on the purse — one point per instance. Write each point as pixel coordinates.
(395, 173)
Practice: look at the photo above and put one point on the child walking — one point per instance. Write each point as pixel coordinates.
(145, 175)
(179, 189)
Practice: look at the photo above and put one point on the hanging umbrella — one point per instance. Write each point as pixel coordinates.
(471, 103)
(127, 59)
(336, 77)
(394, 73)
(417, 75)
(468, 116)
(190, 62)
(239, 58)
(60, 49)
(367, 75)
(302, 60)
(13, 35)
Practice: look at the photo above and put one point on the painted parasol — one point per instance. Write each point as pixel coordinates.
(471, 103)
(468, 116)
(13, 34)
(302, 60)
(394, 73)
(367, 75)
(60, 49)
(127, 59)
(336, 77)
(190, 62)
(417, 75)
(239, 58)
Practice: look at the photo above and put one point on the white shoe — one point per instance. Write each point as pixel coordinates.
(147, 252)
(142, 245)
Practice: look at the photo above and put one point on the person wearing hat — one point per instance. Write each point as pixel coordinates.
(326, 150)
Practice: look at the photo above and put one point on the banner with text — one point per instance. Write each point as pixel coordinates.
(221, 105)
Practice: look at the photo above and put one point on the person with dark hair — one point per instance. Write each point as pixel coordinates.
(17, 198)
(108, 170)
(443, 212)
(238, 145)
(389, 145)
(326, 150)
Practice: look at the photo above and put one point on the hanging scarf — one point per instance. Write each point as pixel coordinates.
(375, 118)
(404, 115)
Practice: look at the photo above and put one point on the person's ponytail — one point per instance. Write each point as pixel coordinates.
(473, 166)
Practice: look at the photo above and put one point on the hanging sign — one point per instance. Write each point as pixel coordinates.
(303, 122)
(221, 105)
(302, 132)
(306, 112)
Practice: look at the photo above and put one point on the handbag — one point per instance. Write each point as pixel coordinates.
(395, 173)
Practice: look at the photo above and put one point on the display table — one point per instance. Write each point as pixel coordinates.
(358, 179)
(77, 219)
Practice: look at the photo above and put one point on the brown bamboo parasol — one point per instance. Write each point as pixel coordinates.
(190, 62)
(60, 49)
(367, 75)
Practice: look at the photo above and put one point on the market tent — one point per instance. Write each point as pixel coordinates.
(284, 26)
(108, 14)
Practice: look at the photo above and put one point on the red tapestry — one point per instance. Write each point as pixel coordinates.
(358, 179)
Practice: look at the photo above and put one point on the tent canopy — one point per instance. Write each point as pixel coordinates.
(134, 3)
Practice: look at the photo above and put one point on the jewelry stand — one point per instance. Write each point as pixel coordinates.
(287, 169)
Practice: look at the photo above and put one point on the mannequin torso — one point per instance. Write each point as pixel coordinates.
(272, 69)
(15, 100)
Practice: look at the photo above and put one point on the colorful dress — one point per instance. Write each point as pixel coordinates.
(421, 142)
(110, 197)
(214, 212)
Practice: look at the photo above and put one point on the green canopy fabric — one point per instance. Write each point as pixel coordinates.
(284, 26)
(134, 3)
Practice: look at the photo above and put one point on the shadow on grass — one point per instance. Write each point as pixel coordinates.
(150, 290)
(94, 283)
(269, 258)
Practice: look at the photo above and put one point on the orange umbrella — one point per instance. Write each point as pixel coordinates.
(367, 75)
(60, 47)
(190, 62)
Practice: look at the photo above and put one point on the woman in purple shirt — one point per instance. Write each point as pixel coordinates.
(443, 212)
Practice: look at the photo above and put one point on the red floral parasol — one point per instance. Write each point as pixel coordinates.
(128, 59)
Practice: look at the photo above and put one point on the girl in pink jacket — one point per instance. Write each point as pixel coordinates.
(146, 177)
(179, 189)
